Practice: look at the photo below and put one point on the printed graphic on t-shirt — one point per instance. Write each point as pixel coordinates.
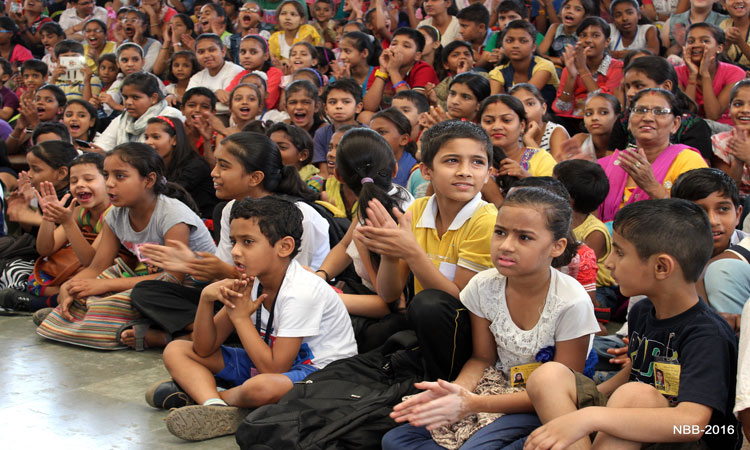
(655, 363)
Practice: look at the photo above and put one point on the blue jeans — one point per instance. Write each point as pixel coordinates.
(507, 432)
(727, 284)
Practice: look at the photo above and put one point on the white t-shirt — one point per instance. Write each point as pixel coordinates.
(315, 241)
(307, 307)
(70, 17)
(220, 81)
(452, 33)
(568, 314)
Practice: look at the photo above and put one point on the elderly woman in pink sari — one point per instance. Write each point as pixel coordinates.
(648, 170)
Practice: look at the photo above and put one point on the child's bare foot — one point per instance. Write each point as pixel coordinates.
(154, 338)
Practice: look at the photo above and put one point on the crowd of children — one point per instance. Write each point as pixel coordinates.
(262, 188)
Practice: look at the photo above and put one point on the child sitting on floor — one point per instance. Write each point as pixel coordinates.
(285, 305)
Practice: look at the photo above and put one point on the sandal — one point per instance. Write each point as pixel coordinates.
(140, 327)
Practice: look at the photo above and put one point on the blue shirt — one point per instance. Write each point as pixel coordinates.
(405, 165)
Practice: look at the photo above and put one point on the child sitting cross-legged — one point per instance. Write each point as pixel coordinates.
(442, 239)
(285, 305)
(680, 381)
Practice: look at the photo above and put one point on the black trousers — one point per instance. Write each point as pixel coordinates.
(170, 306)
(443, 328)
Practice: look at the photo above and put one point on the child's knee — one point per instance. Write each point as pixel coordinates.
(266, 389)
(175, 349)
(637, 395)
(550, 375)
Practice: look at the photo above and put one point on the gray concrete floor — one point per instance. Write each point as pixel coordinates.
(77, 398)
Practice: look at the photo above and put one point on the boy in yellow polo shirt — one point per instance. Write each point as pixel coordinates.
(444, 240)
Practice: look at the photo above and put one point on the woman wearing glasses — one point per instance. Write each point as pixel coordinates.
(649, 169)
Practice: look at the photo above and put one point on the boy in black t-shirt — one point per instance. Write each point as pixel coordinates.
(679, 387)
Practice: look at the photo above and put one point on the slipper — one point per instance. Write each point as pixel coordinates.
(139, 327)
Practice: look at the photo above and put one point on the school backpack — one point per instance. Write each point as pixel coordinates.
(346, 405)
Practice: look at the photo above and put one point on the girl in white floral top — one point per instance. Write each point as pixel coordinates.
(732, 148)
(523, 313)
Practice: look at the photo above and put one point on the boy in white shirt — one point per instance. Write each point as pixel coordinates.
(217, 73)
(290, 323)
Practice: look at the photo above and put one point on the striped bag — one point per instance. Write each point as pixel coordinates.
(96, 320)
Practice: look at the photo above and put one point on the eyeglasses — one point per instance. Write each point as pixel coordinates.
(252, 10)
(642, 111)
(126, 21)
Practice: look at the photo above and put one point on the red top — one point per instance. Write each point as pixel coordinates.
(419, 75)
(608, 78)
(273, 91)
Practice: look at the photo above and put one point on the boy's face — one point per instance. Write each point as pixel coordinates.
(630, 272)
(85, 8)
(252, 253)
(459, 170)
(409, 109)
(407, 48)
(195, 106)
(107, 71)
(723, 217)
(322, 12)
(341, 106)
(331, 155)
(505, 17)
(33, 79)
(48, 41)
(435, 7)
(471, 31)
(33, 6)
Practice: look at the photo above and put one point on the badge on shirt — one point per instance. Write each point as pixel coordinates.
(519, 374)
(667, 377)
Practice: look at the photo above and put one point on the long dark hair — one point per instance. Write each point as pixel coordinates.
(362, 41)
(257, 152)
(183, 151)
(659, 70)
(92, 112)
(402, 124)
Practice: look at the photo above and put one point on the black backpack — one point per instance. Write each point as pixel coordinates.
(343, 406)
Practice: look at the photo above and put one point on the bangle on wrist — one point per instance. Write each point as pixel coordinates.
(382, 75)
(401, 83)
(325, 274)
(566, 93)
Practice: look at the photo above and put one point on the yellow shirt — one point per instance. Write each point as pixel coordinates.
(541, 164)
(581, 232)
(109, 47)
(685, 161)
(732, 50)
(335, 202)
(465, 244)
(279, 48)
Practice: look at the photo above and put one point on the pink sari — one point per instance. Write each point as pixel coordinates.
(618, 178)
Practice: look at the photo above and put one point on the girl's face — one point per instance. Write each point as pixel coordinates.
(701, 41)
(182, 68)
(160, 140)
(252, 54)
(456, 56)
(130, 61)
(503, 125)
(88, 186)
(125, 186)
(94, 35)
(249, 15)
(649, 126)
(41, 171)
(737, 8)
(245, 104)
(572, 13)
(301, 58)
(5, 35)
(301, 109)
(350, 54)
(534, 108)
(137, 102)
(33, 6)
(178, 27)
(231, 181)
(290, 155)
(462, 103)
(229, 8)
(522, 244)
(322, 12)
(210, 54)
(390, 133)
(739, 109)
(331, 155)
(429, 44)
(46, 106)
(626, 18)
(132, 24)
(108, 72)
(518, 45)
(594, 41)
(289, 18)
(78, 120)
(435, 7)
(599, 116)
(636, 81)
